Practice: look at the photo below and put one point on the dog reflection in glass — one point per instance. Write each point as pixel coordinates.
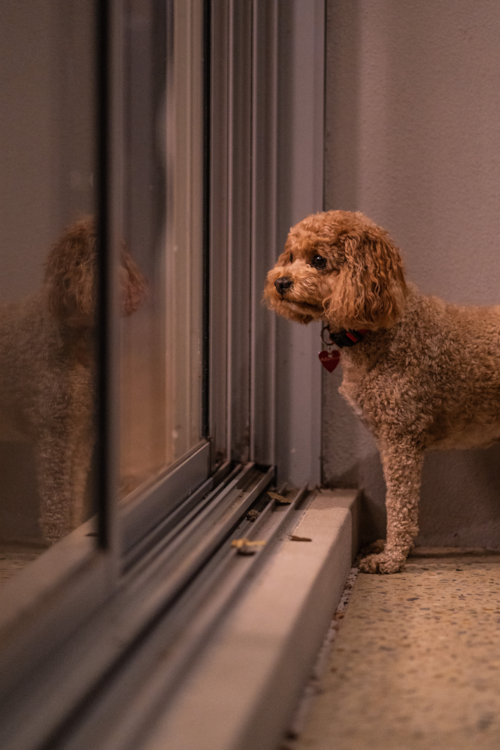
(47, 372)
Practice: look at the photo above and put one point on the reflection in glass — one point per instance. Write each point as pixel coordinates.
(161, 356)
(47, 281)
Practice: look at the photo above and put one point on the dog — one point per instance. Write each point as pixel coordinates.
(47, 372)
(421, 374)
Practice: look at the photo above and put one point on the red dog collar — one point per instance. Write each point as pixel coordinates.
(345, 338)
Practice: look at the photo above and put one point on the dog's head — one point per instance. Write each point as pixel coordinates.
(340, 267)
(70, 277)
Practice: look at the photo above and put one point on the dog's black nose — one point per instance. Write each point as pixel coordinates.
(282, 284)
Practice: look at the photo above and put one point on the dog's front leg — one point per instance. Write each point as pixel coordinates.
(54, 469)
(402, 470)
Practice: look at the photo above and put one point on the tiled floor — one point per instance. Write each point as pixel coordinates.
(416, 662)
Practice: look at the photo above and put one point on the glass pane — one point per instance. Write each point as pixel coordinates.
(47, 137)
(161, 361)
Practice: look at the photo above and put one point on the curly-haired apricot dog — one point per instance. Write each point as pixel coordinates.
(47, 373)
(422, 374)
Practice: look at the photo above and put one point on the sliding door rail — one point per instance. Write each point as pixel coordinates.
(168, 591)
(181, 637)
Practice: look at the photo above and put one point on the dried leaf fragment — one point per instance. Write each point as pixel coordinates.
(247, 546)
(295, 538)
(279, 498)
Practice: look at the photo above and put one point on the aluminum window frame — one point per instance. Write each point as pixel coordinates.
(244, 422)
(77, 576)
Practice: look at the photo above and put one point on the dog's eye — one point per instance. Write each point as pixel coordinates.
(291, 257)
(318, 262)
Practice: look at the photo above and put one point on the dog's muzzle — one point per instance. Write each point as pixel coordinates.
(282, 284)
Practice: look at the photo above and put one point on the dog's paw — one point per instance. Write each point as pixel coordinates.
(385, 562)
(374, 548)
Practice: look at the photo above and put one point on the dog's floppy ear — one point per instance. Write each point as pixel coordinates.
(133, 284)
(370, 289)
(70, 275)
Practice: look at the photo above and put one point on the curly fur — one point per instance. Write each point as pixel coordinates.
(425, 377)
(47, 373)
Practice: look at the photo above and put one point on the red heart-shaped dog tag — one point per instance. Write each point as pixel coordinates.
(329, 360)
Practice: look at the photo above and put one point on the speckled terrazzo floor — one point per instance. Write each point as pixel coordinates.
(15, 557)
(416, 662)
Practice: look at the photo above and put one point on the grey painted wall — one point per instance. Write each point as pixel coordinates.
(413, 140)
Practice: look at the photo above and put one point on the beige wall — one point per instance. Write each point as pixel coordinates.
(413, 140)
